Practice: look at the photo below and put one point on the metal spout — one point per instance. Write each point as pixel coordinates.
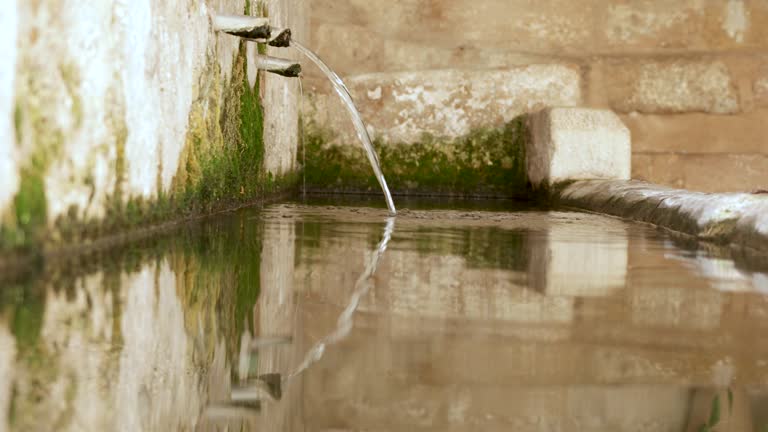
(281, 38)
(244, 26)
(286, 68)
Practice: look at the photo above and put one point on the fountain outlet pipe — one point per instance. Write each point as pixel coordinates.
(243, 26)
(280, 38)
(286, 68)
(255, 29)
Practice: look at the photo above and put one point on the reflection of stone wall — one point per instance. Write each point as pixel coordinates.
(106, 363)
(446, 339)
(689, 77)
(7, 357)
(144, 343)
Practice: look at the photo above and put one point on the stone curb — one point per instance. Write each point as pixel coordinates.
(739, 219)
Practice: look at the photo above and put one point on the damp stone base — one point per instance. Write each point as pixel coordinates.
(739, 219)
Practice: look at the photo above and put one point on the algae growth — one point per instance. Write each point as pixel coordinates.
(488, 162)
(221, 168)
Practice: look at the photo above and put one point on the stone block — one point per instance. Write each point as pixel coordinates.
(698, 133)
(402, 106)
(577, 144)
(732, 172)
(559, 27)
(676, 86)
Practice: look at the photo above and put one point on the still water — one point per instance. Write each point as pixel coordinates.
(303, 317)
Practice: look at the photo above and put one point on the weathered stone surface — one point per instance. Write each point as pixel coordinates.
(698, 133)
(577, 143)
(281, 96)
(760, 89)
(9, 180)
(488, 162)
(653, 56)
(736, 218)
(103, 106)
(402, 107)
(671, 87)
(703, 172)
(367, 52)
(560, 27)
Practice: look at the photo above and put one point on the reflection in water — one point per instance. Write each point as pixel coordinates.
(472, 320)
(344, 323)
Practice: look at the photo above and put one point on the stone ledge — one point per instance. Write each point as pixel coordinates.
(728, 218)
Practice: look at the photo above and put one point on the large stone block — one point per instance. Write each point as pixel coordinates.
(699, 133)
(577, 143)
(703, 172)
(586, 27)
(670, 87)
(402, 106)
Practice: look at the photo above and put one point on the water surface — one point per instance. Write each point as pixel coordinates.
(437, 320)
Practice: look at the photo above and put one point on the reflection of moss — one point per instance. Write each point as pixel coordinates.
(481, 247)
(485, 162)
(28, 316)
(217, 272)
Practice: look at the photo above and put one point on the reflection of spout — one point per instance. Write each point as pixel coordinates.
(268, 341)
(267, 387)
(344, 323)
(231, 410)
(286, 68)
(244, 26)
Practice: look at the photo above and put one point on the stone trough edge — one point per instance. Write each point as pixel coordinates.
(739, 219)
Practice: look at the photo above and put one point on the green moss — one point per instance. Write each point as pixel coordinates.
(18, 118)
(224, 162)
(222, 167)
(26, 227)
(485, 162)
(30, 206)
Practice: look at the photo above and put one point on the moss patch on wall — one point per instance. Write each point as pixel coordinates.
(486, 162)
(221, 168)
(25, 223)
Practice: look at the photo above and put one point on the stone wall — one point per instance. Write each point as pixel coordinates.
(689, 77)
(116, 113)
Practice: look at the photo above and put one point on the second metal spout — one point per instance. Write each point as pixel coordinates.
(286, 68)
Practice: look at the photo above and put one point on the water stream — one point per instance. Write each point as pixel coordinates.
(357, 120)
